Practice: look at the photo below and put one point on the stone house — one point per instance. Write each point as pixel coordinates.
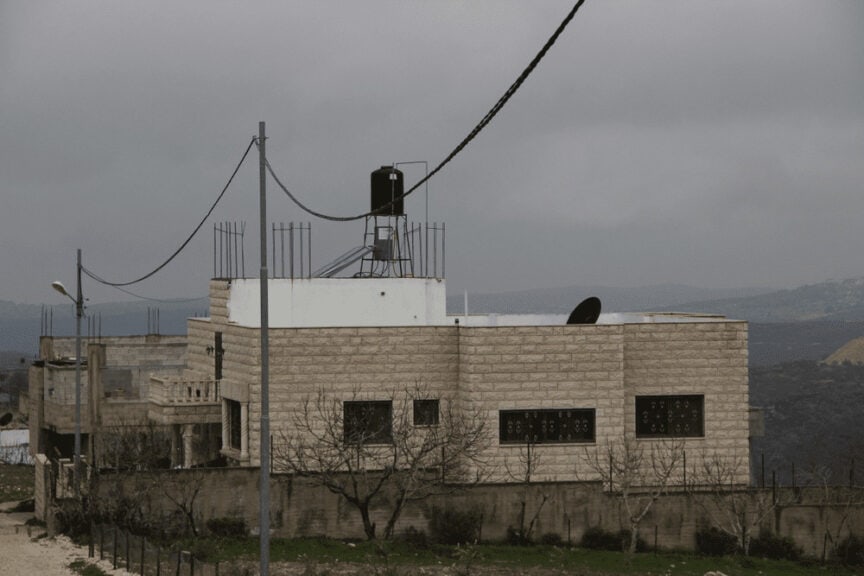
(128, 384)
(573, 389)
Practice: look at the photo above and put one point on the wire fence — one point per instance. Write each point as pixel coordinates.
(139, 555)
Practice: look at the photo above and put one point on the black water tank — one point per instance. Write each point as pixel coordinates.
(387, 184)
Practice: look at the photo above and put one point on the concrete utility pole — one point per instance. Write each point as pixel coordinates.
(79, 313)
(264, 490)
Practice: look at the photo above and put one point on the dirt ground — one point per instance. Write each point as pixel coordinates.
(26, 554)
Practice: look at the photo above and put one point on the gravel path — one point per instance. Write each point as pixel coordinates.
(25, 555)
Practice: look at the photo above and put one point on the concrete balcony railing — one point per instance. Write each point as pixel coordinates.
(178, 391)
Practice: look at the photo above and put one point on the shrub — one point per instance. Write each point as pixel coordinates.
(714, 542)
(71, 519)
(414, 538)
(516, 537)
(551, 539)
(227, 527)
(204, 549)
(449, 525)
(768, 545)
(600, 539)
(851, 551)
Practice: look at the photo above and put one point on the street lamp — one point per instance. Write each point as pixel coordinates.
(79, 312)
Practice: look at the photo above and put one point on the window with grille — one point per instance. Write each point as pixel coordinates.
(670, 416)
(546, 426)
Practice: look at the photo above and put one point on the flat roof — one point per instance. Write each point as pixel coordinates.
(481, 320)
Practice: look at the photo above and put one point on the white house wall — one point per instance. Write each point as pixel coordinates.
(332, 302)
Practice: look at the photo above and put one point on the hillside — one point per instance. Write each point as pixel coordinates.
(563, 300)
(851, 352)
(833, 301)
(812, 418)
(841, 301)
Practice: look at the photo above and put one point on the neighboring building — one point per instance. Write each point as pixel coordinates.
(14, 447)
(128, 384)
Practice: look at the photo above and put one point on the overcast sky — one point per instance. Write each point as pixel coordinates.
(710, 143)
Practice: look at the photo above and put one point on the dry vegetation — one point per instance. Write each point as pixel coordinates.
(16, 482)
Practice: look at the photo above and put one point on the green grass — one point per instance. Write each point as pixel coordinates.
(16, 482)
(516, 560)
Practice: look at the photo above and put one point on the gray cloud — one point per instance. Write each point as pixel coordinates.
(710, 143)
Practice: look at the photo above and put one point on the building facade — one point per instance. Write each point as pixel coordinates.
(569, 391)
(566, 393)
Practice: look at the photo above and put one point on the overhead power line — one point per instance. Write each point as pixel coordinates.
(471, 135)
(92, 275)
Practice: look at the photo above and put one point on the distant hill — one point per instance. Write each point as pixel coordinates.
(563, 300)
(828, 301)
(778, 342)
(840, 301)
(812, 417)
(851, 352)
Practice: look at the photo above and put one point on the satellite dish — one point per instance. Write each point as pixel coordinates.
(5, 419)
(587, 312)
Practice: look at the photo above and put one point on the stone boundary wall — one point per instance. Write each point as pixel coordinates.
(301, 509)
(41, 487)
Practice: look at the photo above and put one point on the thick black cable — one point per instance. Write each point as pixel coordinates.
(189, 239)
(384, 209)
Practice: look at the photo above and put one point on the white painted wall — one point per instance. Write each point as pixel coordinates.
(353, 302)
(346, 302)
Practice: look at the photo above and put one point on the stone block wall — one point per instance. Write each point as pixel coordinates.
(302, 509)
(707, 358)
(349, 364)
(544, 367)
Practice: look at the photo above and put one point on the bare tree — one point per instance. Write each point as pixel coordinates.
(132, 483)
(732, 507)
(638, 477)
(528, 463)
(181, 488)
(839, 501)
(364, 451)
(133, 447)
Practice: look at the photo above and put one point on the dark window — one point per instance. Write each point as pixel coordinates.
(670, 416)
(217, 356)
(425, 412)
(548, 426)
(368, 422)
(234, 424)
